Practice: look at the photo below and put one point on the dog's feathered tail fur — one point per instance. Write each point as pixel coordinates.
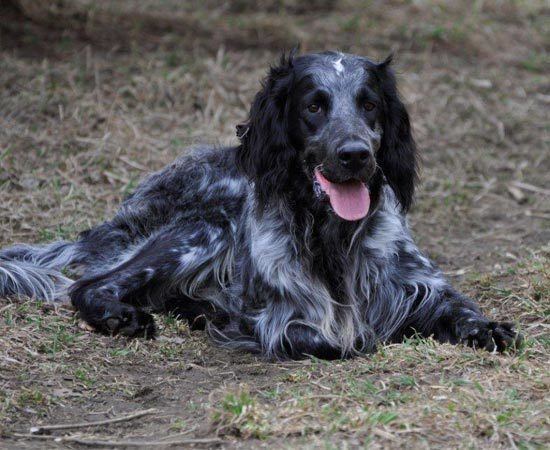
(37, 271)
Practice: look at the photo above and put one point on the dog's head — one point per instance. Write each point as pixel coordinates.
(332, 126)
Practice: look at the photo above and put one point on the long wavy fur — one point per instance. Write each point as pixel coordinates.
(233, 237)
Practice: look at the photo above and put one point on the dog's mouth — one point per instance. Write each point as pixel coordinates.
(350, 199)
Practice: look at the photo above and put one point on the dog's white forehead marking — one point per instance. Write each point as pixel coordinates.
(338, 66)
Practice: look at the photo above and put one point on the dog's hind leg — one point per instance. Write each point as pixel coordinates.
(101, 300)
(148, 277)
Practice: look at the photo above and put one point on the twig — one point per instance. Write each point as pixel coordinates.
(384, 434)
(315, 383)
(12, 360)
(530, 187)
(538, 215)
(102, 443)
(516, 193)
(178, 435)
(133, 164)
(8, 306)
(41, 429)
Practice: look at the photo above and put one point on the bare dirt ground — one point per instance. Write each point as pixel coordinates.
(86, 112)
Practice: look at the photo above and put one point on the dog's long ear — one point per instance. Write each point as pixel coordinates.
(398, 156)
(265, 153)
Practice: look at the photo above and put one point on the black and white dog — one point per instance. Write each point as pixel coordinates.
(293, 243)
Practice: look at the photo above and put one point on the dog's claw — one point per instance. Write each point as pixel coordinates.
(128, 321)
(489, 335)
(113, 324)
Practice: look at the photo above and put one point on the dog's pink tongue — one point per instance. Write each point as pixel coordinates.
(350, 200)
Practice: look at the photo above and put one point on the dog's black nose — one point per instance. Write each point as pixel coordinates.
(354, 155)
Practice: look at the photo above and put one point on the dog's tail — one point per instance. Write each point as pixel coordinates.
(36, 271)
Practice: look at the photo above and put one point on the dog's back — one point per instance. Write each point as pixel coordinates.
(201, 190)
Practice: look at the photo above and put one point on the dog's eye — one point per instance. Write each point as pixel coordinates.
(314, 108)
(369, 106)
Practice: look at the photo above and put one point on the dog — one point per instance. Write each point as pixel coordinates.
(292, 244)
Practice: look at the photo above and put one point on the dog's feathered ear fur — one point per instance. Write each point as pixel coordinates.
(397, 155)
(265, 153)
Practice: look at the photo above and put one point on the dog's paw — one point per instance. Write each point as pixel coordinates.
(489, 335)
(129, 321)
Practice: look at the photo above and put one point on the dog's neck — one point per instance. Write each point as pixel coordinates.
(315, 228)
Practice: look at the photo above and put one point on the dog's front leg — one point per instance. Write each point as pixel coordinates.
(301, 341)
(459, 320)
(285, 332)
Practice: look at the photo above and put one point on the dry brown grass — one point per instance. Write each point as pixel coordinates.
(417, 394)
(86, 112)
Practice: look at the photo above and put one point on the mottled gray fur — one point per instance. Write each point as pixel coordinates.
(283, 276)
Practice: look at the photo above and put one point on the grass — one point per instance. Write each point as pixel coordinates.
(84, 120)
(404, 393)
(417, 393)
